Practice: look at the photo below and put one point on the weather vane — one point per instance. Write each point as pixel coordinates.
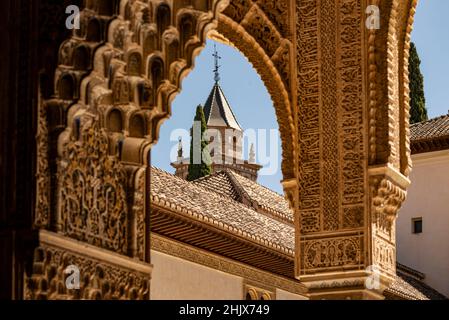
(217, 67)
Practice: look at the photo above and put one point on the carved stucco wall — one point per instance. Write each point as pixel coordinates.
(340, 95)
(353, 136)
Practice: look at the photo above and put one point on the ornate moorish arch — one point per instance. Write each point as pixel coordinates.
(341, 100)
(116, 79)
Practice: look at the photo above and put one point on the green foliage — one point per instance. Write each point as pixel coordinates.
(418, 111)
(198, 170)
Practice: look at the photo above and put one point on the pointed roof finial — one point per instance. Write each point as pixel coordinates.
(217, 67)
(180, 152)
(252, 154)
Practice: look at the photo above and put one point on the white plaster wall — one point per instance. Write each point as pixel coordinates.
(428, 197)
(177, 279)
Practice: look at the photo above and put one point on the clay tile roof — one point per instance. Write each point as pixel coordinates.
(408, 287)
(197, 202)
(264, 197)
(221, 183)
(430, 129)
(430, 135)
(215, 200)
(236, 186)
(218, 112)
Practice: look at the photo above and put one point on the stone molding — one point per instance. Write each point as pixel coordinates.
(199, 256)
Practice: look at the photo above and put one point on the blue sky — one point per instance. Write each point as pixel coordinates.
(246, 94)
(431, 36)
(252, 104)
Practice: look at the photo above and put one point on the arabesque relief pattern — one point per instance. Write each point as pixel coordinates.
(331, 122)
(350, 124)
(92, 201)
(389, 133)
(334, 86)
(386, 201)
(98, 279)
(116, 78)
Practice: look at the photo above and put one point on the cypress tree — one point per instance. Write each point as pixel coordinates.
(198, 170)
(418, 111)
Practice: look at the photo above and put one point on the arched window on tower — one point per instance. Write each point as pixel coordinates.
(234, 146)
(212, 150)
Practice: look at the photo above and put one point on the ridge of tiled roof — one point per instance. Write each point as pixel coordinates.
(220, 211)
(234, 185)
(410, 271)
(266, 198)
(431, 129)
(221, 183)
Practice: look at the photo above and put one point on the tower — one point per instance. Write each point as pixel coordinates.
(225, 135)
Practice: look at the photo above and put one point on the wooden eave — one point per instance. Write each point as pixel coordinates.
(173, 225)
(430, 144)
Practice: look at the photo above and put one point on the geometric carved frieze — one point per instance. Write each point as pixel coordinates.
(384, 255)
(102, 274)
(353, 217)
(332, 253)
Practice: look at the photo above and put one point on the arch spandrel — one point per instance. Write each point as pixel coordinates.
(344, 162)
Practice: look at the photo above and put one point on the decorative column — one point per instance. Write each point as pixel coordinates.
(348, 194)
